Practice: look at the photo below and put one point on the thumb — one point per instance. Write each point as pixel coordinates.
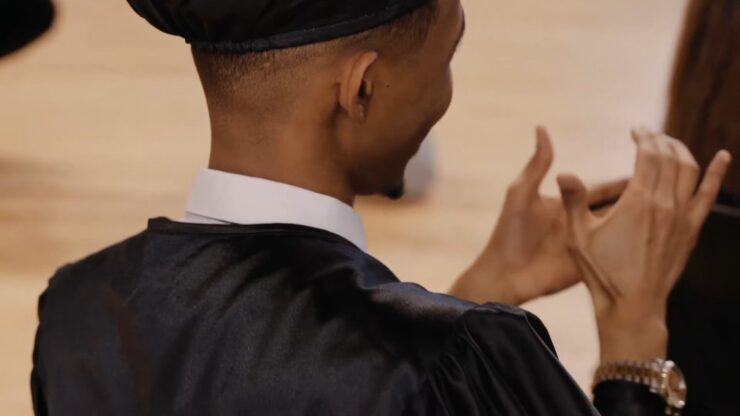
(534, 173)
(575, 199)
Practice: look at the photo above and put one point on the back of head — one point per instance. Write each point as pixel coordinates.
(704, 108)
(261, 50)
(264, 82)
(333, 96)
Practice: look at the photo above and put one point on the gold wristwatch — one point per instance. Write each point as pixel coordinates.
(662, 377)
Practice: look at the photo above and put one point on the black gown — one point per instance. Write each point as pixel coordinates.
(285, 320)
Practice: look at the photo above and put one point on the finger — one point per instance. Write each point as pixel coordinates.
(665, 191)
(607, 193)
(647, 165)
(709, 188)
(536, 170)
(575, 201)
(688, 173)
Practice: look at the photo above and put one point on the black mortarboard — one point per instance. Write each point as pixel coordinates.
(258, 25)
(21, 21)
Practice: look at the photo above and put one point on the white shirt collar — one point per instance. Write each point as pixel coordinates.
(220, 197)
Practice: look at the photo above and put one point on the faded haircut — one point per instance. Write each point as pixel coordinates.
(223, 73)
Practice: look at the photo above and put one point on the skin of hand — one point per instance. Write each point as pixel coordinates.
(632, 257)
(527, 256)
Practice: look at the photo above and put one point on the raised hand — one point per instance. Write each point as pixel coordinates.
(632, 257)
(527, 255)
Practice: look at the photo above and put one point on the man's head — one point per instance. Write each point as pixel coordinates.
(350, 111)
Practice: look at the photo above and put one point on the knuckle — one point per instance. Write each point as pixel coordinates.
(663, 207)
(667, 136)
(675, 159)
(671, 160)
(642, 188)
(675, 143)
(705, 193)
(680, 146)
(651, 155)
(666, 211)
(669, 150)
(717, 173)
(690, 165)
(662, 140)
(513, 189)
(641, 193)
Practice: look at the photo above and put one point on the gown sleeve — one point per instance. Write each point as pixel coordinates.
(37, 392)
(37, 395)
(501, 361)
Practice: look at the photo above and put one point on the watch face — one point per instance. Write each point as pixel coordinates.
(676, 387)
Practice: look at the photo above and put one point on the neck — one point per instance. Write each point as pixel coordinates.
(293, 153)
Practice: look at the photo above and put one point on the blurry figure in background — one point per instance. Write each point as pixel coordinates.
(421, 171)
(704, 310)
(22, 21)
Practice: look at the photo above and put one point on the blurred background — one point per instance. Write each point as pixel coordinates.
(102, 126)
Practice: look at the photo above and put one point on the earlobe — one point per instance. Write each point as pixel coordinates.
(356, 89)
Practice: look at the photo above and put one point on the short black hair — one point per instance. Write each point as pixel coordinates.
(222, 73)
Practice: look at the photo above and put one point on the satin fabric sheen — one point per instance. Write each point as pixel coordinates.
(239, 26)
(192, 319)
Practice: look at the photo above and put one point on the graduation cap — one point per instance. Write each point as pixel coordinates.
(240, 26)
(22, 21)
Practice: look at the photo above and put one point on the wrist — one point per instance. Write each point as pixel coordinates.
(485, 282)
(627, 334)
(658, 381)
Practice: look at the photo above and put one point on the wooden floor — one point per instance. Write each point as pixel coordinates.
(102, 125)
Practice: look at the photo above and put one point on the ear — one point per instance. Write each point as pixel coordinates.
(356, 88)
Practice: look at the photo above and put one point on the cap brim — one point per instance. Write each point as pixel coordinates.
(22, 21)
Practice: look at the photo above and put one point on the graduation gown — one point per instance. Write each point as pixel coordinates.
(704, 317)
(284, 320)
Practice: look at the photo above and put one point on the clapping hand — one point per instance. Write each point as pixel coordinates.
(527, 255)
(632, 257)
